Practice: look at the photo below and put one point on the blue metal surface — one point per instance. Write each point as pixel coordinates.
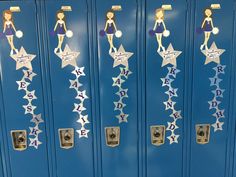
(211, 159)
(163, 158)
(78, 160)
(121, 160)
(30, 162)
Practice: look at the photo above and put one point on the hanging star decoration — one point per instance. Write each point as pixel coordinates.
(68, 57)
(213, 54)
(170, 104)
(121, 58)
(30, 96)
(218, 92)
(23, 59)
(169, 56)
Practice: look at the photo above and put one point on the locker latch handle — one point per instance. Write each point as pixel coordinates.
(66, 137)
(19, 139)
(112, 136)
(203, 133)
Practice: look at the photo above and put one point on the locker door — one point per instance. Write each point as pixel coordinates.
(165, 74)
(211, 87)
(117, 77)
(69, 75)
(21, 91)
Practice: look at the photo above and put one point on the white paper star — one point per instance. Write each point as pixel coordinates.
(122, 93)
(173, 71)
(79, 108)
(169, 104)
(169, 56)
(176, 115)
(34, 142)
(22, 84)
(68, 57)
(117, 81)
(220, 69)
(172, 92)
(215, 81)
(30, 95)
(37, 119)
(81, 95)
(78, 71)
(213, 54)
(173, 138)
(28, 74)
(218, 92)
(29, 108)
(125, 72)
(171, 126)
(166, 81)
(218, 126)
(119, 105)
(122, 117)
(219, 114)
(35, 131)
(214, 103)
(75, 84)
(83, 132)
(121, 57)
(23, 59)
(83, 120)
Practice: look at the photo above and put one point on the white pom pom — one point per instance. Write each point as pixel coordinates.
(215, 30)
(69, 33)
(19, 34)
(118, 34)
(166, 33)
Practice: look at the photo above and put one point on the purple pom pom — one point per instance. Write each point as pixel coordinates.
(151, 33)
(199, 30)
(52, 33)
(102, 33)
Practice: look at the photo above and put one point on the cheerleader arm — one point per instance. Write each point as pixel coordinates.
(155, 26)
(106, 26)
(55, 26)
(4, 27)
(65, 26)
(114, 25)
(203, 23)
(13, 26)
(212, 25)
(164, 25)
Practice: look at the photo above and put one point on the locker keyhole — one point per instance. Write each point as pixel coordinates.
(67, 136)
(157, 134)
(113, 135)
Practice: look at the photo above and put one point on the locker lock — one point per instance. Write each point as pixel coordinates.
(19, 140)
(203, 133)
(158, 135)
(66, 137)
(112, 136)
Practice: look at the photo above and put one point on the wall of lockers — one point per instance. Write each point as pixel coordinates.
(131, 88)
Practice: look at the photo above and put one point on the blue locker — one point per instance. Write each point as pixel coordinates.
(66, 82)
(165, 86)
(22, 107)
(211, 88)
(116, 30)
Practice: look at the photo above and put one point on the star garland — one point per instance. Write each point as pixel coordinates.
(68, 57)
(121, 58)
(169, 57)
(213, 55)
(24, 60)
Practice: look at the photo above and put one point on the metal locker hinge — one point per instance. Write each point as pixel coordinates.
(112, 136)
(19, 139)
(158, 135)
(203, 133)
(66, 137)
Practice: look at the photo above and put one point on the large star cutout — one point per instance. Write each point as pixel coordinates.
(121, 57)
(23, 59)
(68, 57)
(213, 54)
(169, 56)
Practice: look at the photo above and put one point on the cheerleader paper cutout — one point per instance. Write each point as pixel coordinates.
(159, 29)
(208, 27)
(10, 30)
(61, 30)
(110, 30)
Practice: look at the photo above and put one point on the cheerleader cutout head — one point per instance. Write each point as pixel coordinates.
(9, 30)
(159, 28)
(61, 30)
(208, 27)
(110, 30)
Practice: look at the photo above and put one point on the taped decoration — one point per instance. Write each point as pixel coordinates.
(213, 55)
(121, 59)
(169, 61)
(69, 58)
(23, 61)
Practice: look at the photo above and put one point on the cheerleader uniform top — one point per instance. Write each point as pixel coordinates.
(159, 26)
(9, 31)
(208, 25)
(60, 27)
(110, 27)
